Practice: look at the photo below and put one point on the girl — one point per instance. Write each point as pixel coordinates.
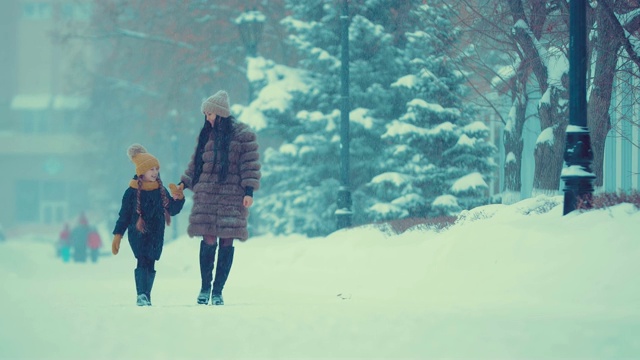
(223, 173)
(146, 207)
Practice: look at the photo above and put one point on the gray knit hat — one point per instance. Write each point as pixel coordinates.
(218, 104)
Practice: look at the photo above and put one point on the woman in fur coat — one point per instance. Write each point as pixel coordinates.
(223, 173)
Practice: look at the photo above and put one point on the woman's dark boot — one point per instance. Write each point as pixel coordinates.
(151, 276)
(207, 258)
(141, 287)
(225, 260)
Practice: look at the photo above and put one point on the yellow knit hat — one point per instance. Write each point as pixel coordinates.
(142, 159)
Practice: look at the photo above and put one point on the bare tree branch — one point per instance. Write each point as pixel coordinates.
(143, 36)
(619, 32)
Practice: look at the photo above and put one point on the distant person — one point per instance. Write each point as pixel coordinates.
(79, 239)
(146, 208)
(223, 173)
(95, 243)
(64, 244)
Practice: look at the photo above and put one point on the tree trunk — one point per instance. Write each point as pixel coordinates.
(549, 149)
(513, 146)
(598, 117)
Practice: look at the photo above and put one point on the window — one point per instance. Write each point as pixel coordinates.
(35, 121)
(36, 10)
(27, 201)
(44, 202)
(76, 12)
(53, 212)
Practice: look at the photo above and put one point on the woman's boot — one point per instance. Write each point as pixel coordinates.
(207, 258)
(151, 276)
(225, 260)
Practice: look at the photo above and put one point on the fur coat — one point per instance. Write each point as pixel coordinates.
(217, 205)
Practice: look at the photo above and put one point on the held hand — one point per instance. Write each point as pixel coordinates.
(115, 245)
(247, 201)
(177, 192)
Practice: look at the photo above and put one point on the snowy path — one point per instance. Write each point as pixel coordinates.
(282, 302)
(90, 315)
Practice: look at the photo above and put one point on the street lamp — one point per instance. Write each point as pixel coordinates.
(343, 211)
(250, 25)
(578, 156)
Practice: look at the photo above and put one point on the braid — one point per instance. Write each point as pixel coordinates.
(197, 158)
(140, 225)
(223, 132)
(165, 202)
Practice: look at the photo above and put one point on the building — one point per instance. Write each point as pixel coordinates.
(42, 156)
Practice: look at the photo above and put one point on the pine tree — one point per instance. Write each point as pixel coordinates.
(438, 158)
(412, 137)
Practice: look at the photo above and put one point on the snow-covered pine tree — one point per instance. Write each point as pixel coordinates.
(287, 192)
(300, 180)
(438, 159)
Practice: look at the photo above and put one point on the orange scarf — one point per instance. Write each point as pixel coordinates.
(146, 185)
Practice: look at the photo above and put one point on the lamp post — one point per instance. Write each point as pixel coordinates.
(250, 25)
(578, 156)
(343, 211)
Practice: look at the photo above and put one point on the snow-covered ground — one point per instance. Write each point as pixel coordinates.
(506, 282)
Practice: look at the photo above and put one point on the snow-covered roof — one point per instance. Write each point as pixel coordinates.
(31, 102)
(48, 102)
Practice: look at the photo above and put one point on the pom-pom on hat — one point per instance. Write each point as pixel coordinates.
(142, 159)
(218, 104)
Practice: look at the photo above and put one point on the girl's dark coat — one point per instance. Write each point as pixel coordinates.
(150, 243)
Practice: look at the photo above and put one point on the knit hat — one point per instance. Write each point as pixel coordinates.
(142, 159)
(218, 104)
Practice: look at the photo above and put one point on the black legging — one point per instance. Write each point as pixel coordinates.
(146, 263)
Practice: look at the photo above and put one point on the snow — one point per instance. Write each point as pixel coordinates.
(399, 128)
(545, 136)
(509, 282)
(251, 116)
(395, 178)
(425, 105)
(281, 81)
(476, 127)
(31, 102)
(504, 74)
(445, 201)
(545, 99)
(360, 116)
(385, 210)
(469, 182)
(445, 127)
(464, 140)
(250, 16)
(576, 171)
(576, 129)
(409, 81)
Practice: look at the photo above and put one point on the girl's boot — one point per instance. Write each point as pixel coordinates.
(141, 286)
(207, 258)
(225, 260)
